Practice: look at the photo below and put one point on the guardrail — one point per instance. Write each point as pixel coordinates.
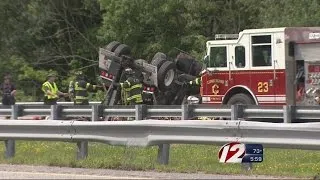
(59, 103)
(157, 132)
(285, 114)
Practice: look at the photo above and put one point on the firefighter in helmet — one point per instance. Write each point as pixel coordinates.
(78, 89)
(133, 86)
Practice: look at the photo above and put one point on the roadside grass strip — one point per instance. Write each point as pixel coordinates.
(183, 158)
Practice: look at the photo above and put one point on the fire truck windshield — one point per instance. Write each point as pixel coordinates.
(217, 57)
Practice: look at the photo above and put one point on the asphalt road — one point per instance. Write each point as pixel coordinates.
(46, 172)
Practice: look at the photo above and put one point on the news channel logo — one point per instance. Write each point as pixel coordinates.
(236, 152)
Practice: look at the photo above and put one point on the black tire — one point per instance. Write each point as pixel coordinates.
(241, 99)
(122, 49)
(158, 59)
(112, 46)
(166, 75)
(189, 66)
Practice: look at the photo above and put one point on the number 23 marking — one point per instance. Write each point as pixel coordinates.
(263, 87)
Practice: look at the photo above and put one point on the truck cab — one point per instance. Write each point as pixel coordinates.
(262, 67)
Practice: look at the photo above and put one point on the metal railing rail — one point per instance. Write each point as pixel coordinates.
(162, 133)
(286, 114)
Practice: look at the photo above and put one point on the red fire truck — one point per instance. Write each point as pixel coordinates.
(263, 67)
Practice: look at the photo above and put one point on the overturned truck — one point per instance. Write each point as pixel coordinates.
(164, 79)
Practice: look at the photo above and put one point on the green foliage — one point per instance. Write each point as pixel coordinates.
(64, 35)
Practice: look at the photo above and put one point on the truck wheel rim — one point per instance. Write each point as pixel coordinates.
(169, 77)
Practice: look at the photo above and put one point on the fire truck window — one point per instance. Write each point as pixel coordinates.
(218, 57)
(261, 51)
(240, 56)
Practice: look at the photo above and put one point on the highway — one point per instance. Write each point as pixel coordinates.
(46, 172)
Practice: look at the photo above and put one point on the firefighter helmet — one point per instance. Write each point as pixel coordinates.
(128, 71)
(52, 75)
(79, 75)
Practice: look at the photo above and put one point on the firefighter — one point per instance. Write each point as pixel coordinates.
(134, 87)
(125, 90)
(78, 89)
(196, 83)
(51, 91)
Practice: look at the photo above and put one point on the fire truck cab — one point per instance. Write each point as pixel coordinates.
(273, 66)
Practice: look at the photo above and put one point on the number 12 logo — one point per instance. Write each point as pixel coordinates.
(232, 153)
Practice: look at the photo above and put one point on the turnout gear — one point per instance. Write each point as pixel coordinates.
(196, 82)
(134, 89)
(79, 91)
(80, 75)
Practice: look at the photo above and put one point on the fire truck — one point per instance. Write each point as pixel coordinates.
(272, 66)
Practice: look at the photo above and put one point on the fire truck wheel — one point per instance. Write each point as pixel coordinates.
(122, 49)
(112, 46)
(240, 99)
(166, 75)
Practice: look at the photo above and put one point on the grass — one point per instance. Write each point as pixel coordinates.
(183, 158)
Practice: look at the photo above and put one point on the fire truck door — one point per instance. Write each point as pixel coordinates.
(262, 68)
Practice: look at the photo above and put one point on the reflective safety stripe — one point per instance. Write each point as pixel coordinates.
(137, 96)
(126, 82)
(136, 86)
(81, 97)
(198, 81)
(53, 89)
(78, 88)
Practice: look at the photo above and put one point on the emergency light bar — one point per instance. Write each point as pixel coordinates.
(226, 36)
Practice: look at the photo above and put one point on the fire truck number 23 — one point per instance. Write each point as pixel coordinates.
(263, 86)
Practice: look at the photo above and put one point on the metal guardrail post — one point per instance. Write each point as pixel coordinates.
(163, 154)
(164, 149)
(288, 113)
(237, 111)
(55, 112)
(96, 112)
(82, 151)
(141, 111)
(185, 112)
(10, 143)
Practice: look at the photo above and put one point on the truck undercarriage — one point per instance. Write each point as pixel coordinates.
(165, 80)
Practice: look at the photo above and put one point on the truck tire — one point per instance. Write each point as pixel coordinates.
(189, 66)
(122, 49)
(158, 59)
(112, 46)
(241, 98)
(166, 75)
